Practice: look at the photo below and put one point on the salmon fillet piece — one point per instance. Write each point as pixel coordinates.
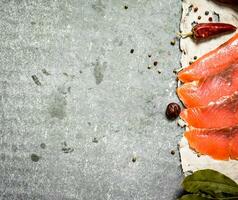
(222, 113)
(220, 144)
(204, 91)
(213, 62)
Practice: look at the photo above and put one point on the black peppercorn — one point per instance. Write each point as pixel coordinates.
(43, 145)
(172, 152)
(172, 42)
(173, 110)
(133, 159)
(35, 158)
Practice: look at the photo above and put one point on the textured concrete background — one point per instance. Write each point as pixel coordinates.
(74, 96)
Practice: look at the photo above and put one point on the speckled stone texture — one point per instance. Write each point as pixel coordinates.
(90, 112)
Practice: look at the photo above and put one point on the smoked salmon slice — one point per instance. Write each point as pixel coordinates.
(213, 62)
(220, 144)
(222, 113)
(202, 92)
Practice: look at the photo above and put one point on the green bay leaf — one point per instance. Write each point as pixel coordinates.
(193, 197)
(210, 182)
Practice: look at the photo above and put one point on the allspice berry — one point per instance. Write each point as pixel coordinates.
(173, 110)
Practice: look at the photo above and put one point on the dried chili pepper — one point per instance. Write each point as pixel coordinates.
(207, 30)
(228, 1)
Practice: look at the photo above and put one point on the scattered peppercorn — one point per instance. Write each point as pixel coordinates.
(207, 13)
(172, 42)
(66, 74)
(132, 51)
(36, 80)
(45, 72)
(43, 145)
(194, 23)
(195, 57)
(210, 19)
(126, 7)
(155, 63)
(159, 72)
(149, 56)
(172, 152)
(195, 9)
(148, 67)
(199, 17)
(95, 140)
(133, 159)
(66, 149)
(173, 110)
(191, 62)
(35, 158)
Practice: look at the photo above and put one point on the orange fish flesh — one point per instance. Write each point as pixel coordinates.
(204, 91)
(213, 62)
(221, 144)
(223, 113)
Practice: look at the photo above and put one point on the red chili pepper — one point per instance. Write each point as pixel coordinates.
(207, 30)
(228, 1)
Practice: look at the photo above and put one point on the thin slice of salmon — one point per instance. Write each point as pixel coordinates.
(220, 144)
(222, 113)
(201, 93)
(213, 62)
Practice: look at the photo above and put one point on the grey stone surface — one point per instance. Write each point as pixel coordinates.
(69, 81)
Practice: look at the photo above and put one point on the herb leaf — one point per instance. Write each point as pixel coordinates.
(193, 197)
(210, 182)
